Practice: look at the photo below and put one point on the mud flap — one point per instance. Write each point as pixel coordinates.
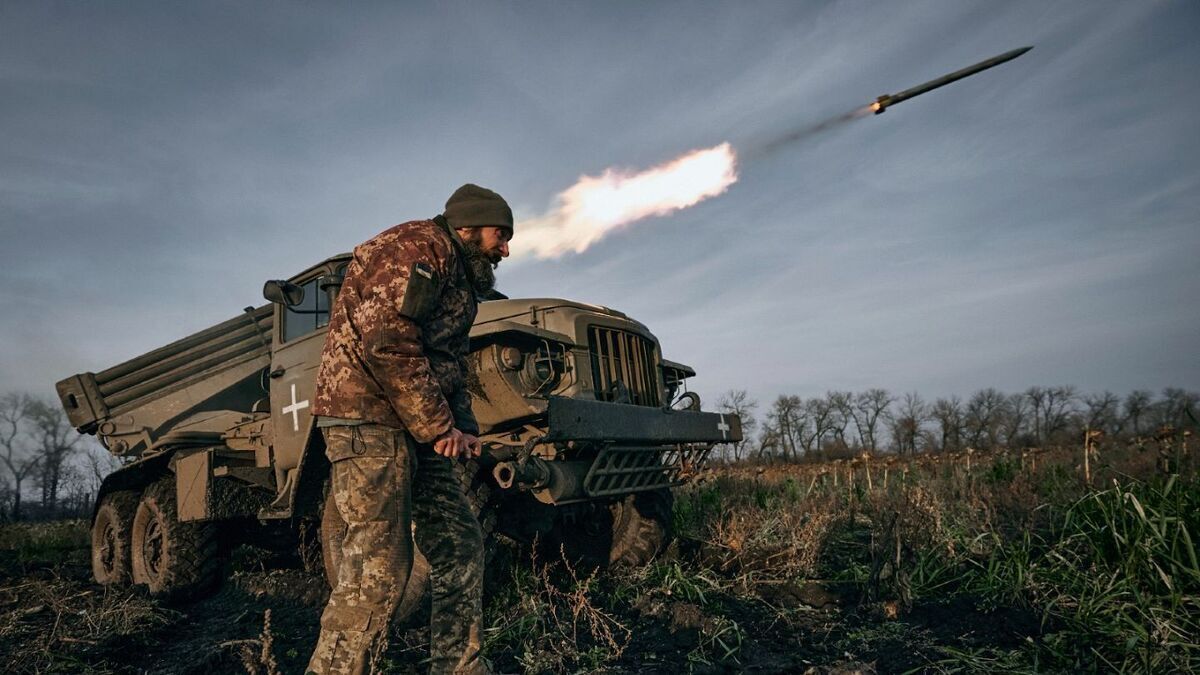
(193, 486)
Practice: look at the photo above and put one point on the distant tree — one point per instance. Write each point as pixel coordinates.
(1060, 409)
(818, 416)
(786, 424)
(1137, 405)
(1037, 399)
(908, 423)
(1102, 412)
(841, 406)
(767, 445)
(738, 402)
(950, 416)
(97, 462)
(869, 406)
(1014, 420)
(1176, 404)
(15, 445)
(55, 442)
(985, 417)
(6, 495)
(1053, 408)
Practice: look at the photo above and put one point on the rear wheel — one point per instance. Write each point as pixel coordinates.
(111, 538)
(171, 558)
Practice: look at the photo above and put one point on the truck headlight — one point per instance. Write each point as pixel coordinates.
(512, 358)
(544, 367)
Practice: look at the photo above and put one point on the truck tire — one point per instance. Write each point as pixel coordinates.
(111, 531)
(629, 532)
(174, 560)
(333, 528)
(642, 528)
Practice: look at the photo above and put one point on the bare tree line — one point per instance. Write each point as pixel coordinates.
(844, 423)
(42, 452)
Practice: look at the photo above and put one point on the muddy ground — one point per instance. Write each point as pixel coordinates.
(53, 619)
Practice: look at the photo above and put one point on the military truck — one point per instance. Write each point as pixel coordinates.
(585, 428)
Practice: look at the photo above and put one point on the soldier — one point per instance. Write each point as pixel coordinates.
(392, 403)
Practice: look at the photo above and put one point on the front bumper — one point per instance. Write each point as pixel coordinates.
(639, 449)
(578, 420)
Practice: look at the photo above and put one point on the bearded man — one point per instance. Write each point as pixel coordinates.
(392, 403)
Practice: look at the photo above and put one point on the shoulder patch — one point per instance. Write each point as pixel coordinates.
(421, 293)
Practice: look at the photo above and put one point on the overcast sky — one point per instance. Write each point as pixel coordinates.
(1036, 224)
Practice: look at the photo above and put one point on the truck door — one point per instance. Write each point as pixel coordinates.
(299, 337)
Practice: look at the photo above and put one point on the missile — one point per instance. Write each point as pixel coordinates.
(883, 102)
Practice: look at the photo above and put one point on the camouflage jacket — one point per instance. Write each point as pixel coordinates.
(396, 349)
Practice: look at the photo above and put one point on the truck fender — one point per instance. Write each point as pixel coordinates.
(134, 476)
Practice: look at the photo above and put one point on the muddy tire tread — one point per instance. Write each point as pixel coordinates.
(123, 506)
(643, 530)
(193, 565)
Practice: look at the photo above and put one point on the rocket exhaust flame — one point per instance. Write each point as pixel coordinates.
(597, 205)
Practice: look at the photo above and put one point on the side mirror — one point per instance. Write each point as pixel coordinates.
(283, 292)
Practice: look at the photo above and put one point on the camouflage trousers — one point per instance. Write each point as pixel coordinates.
(383, 482)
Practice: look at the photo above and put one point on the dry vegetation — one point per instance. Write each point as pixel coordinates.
(1053, 561)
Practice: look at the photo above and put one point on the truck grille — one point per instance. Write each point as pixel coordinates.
(623, 367)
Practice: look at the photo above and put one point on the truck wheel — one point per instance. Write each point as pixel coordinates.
(333, 528)
(625, 533)
(111, 538)
(642, 528)
(174, 560)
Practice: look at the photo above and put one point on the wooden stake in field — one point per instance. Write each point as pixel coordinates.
(1090, 438)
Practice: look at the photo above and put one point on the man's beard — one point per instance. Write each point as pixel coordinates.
(483, 268)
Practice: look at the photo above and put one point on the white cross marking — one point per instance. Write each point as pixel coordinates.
(721, 426)
(294, 409)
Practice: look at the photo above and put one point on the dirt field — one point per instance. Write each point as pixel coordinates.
(953, 564)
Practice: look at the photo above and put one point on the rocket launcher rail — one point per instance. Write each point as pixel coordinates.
(218, 368)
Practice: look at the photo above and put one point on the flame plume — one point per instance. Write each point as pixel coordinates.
(596, 205)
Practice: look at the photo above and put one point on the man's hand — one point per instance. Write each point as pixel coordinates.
(474, 447)
(454, 444)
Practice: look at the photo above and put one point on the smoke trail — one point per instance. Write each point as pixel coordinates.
(597, 205)
(807, 132)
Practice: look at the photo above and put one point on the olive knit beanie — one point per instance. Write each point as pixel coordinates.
(474, 206)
